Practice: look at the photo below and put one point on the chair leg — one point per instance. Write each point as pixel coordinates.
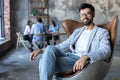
(17, 44)
(35, 45)
(24, 45)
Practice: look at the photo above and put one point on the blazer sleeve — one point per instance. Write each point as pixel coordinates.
(65, 45)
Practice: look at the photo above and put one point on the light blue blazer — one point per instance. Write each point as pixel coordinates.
(98, 46)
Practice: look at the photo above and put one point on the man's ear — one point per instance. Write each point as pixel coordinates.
(93, 14)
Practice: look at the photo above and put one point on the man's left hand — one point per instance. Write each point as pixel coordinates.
(79, 64)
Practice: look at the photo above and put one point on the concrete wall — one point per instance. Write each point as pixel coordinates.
(60, 10)
(19, 15)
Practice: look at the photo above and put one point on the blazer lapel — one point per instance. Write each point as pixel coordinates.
(91, 37)
(77, 36)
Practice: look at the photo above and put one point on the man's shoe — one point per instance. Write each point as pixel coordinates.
(31, 49)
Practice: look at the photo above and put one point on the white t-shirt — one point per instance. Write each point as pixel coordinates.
(82, 42)
(27, 30)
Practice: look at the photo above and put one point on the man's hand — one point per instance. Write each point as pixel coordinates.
(79, 64)
(34, 54)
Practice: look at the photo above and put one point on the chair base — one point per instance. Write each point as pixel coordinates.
(95, 71)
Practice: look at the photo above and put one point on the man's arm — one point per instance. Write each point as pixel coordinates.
(65, 45)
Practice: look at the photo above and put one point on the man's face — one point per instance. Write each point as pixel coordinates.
(86, 16)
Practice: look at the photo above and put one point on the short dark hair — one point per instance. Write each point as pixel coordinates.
(39, 20)
(86, 5)
(53, 22)
(28, 22)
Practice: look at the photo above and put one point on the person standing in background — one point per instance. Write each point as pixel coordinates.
(27, 35)
(38, 28)
(53, 28)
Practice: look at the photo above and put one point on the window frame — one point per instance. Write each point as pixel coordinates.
(2, 31)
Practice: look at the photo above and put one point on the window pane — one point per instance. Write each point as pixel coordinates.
(0, 7)
(1, 18)
(0, 27)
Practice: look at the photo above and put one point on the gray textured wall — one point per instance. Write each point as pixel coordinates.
(68, 9)
(60, 10)
(19, 15)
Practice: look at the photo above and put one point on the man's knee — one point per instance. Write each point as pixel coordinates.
(50, 47)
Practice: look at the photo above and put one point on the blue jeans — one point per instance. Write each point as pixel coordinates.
(53, 60)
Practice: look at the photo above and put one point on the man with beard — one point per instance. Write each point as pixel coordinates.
(89, 43)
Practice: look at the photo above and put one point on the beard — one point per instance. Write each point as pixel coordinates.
(86, 21)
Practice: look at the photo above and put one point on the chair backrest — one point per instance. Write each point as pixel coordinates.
(19, 35)
(70, 25)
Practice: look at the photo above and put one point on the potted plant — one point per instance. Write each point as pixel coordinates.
(34, 12)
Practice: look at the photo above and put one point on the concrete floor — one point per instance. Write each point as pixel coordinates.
(17, 66)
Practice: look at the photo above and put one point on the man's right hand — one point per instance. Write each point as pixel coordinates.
(34, 54)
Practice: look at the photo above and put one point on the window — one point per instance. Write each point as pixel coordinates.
(1, 20)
